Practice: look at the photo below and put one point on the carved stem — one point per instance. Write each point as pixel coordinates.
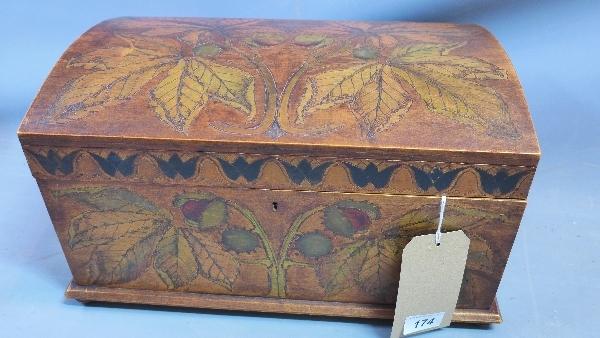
(274, 266)
(270, 87)
(287, 242)
(283, 101)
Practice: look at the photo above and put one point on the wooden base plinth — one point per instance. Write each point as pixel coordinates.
(259, 304)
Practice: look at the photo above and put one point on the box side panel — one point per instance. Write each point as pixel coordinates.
(343, 247)
(288, 172)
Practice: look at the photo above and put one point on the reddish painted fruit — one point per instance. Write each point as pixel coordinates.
(358, 218)
(193, 209)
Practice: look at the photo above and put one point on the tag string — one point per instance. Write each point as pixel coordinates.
(438, 232)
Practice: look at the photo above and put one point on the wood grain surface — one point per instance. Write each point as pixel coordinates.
(343, 247)
(89, 294)
(429, 91)
(278, 166)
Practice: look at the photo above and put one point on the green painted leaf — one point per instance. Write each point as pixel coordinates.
(182, 198)
(365, 53)
(207, 50)
(215, 214)
(314, 244)
(309, 40)
(370, 208)
(267, 39)
(174, 260)
(239, 240)
(347, 217)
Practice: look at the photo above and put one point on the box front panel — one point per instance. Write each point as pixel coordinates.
(298, 245)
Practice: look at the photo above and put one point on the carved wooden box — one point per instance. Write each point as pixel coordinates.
(278, 166)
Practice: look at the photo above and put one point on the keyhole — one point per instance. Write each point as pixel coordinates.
(275, 206)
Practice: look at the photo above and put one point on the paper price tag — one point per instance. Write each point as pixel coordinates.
(430, 280)
(413, 324)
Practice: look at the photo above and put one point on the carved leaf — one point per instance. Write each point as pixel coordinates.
(373, 264)
(229, 85)
(180, 96)
(437, 56)
(376, 90)
(123, 228)
(424, 220)
(214, 263)
(174, 261)
(113, 199)
(117, 74)
(336, 272)
(447, 85)
(380, 103)
(103, 227)
(378, 274)
(374, 94)
(187, 77)
(481, 255)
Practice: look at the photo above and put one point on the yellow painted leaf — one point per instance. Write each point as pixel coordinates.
(437, 56)
(334, 87)
(380, 103)
(116, 74)
(174, 261)
(423, 220)
(91, 92)
(188, 79)
(229, 85)
(449, 85)
(103, 227)
(128, 55)
(337, 272)
(127, 257)
(371, 90)
(111, 199)
(179, 98)
(380, 269)
(122, 227)
(214, 263)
